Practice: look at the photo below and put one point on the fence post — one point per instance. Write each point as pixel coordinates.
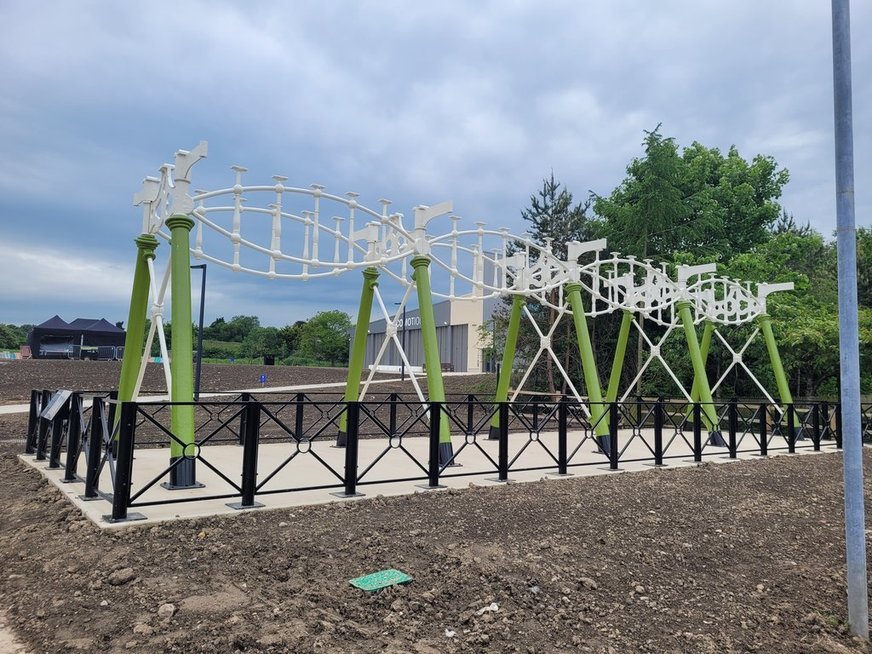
(733, 427)
(839, 426)
(249, 457)
(32, 420)
(470, 417)
(658, 431)
(697, 433)
(433, 463)
(352, 427)
(791, 429)
(42, 428)
(246, 397)
(561, 437)
(298, 415)
(95, 449)
(613, 436)
(74, 434)
(124, 465)
(764, 435)
(503, 450)
(815, 427)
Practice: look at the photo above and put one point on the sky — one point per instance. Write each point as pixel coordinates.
(415, 102)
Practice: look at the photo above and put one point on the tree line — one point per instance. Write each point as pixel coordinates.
(322, 339)
(696, 205)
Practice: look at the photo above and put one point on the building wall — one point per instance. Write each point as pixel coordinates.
(457, 336)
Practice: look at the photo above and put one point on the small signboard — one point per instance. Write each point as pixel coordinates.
(262, 380)
(57, 401)
(380, 579)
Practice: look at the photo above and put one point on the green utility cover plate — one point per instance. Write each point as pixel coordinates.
(380, 579)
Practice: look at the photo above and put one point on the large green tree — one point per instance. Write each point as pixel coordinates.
(696, 201)
(326, 337)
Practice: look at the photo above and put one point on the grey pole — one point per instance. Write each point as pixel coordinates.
(202, 267)
(403, 361)
(849, 340)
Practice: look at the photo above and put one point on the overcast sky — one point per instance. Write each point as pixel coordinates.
(414, 101)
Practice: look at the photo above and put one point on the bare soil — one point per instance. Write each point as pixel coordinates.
(17, 378)
(741, 557)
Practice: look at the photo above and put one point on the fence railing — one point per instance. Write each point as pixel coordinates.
(247, 446)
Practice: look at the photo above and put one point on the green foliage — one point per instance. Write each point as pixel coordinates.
(262, 341)
(13, 337)
(236, 330)
(325, 337)
(699, 201)
(698, 205)
(555, 219)
(221, 350)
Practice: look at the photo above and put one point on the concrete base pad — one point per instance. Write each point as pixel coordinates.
(313, 483)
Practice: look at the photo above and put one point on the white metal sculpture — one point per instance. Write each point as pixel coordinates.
(283, 232)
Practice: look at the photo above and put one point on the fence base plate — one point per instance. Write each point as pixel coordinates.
(429, 487)
(343, 494)
(85, 498)
(239, 506)
(498, 480)
(172, 487)
(130, 518)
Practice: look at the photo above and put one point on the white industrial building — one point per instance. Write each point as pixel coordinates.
(458, 324)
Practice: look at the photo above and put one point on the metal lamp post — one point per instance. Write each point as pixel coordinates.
(403, 340)
(201, 266)
(846, 243)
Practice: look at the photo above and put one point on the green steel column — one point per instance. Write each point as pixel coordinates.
(182, 475)
(358, 346)
(620, 352)
(765, 322)
(704, 347)
(132, 359)
(505, 378)
(709, 414)
(588, 363)
(435, 387)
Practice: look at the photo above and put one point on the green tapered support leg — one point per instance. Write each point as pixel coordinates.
(598, 414)
(620, 353)
(704, 347)
(709, 415)
(132, 359)
(765, 323)
(183, 474)
(505, 378)
(358, 347)
(435, 387)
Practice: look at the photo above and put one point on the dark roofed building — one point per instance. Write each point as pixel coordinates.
(56, 338)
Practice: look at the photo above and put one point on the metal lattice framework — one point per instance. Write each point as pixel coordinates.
(265, 230)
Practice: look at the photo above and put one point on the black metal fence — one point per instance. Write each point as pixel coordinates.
(391, 438)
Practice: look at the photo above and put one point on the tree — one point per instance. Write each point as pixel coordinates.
(261, 341)
(325, 336)
(698, 202)
(555, 219)
(290, 336)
